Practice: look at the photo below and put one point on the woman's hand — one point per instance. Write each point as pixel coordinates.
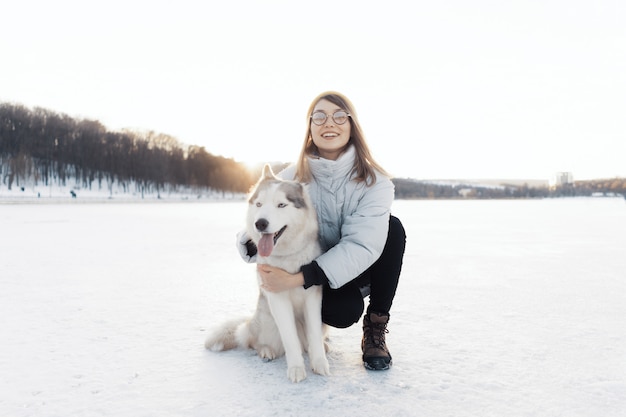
(277, 280)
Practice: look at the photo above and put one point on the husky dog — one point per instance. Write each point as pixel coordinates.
(282, 222)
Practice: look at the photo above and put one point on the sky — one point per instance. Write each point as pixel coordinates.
(443, 90)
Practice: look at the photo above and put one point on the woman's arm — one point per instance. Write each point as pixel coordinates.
(363, 236)
(277, 280)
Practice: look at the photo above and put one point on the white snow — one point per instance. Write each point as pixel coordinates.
(29, 192)
(505, 308)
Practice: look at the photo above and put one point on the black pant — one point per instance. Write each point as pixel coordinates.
(342, 307)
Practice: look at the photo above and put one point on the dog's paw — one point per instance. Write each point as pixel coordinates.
(267, 353)
(320, 366)
(296, 373)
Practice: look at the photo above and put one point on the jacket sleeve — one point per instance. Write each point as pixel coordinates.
(313, 275)
(363, 236)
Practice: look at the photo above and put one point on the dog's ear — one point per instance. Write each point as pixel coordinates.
(268, 174)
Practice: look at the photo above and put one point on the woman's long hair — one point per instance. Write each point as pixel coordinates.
(364, 165)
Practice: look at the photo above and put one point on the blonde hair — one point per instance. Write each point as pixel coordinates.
(364, 164)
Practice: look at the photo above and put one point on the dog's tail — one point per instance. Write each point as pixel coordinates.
(228, 336)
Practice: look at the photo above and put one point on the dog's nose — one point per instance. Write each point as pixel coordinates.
(261, 225)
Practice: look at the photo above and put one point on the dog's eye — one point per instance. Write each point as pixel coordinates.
(282, 205)
(258, 204)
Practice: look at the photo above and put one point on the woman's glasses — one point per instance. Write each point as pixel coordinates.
(339, 117)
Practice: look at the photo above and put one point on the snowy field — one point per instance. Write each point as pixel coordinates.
(505, 308)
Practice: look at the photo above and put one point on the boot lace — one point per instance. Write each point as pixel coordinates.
(375, 334)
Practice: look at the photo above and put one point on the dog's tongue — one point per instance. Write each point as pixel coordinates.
(266, 244)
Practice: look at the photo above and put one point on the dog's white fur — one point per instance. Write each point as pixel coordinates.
(285, 322)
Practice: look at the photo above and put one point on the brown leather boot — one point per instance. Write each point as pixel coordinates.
(376, 356)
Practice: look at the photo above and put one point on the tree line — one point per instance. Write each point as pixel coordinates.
(46, 147)
(413, 189)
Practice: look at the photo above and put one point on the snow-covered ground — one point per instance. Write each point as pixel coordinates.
(505, 308)
(29, 192)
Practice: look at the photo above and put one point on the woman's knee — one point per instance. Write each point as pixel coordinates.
(396, 229)
(342, 312)
(341, 321)
(396, 239)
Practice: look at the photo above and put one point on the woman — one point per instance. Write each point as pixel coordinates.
(363, 244)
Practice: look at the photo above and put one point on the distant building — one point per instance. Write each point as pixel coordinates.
(561, 178)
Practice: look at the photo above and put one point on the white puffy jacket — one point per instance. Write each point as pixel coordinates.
(353, 218)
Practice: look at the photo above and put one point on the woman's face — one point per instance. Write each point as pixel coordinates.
(330, 138)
